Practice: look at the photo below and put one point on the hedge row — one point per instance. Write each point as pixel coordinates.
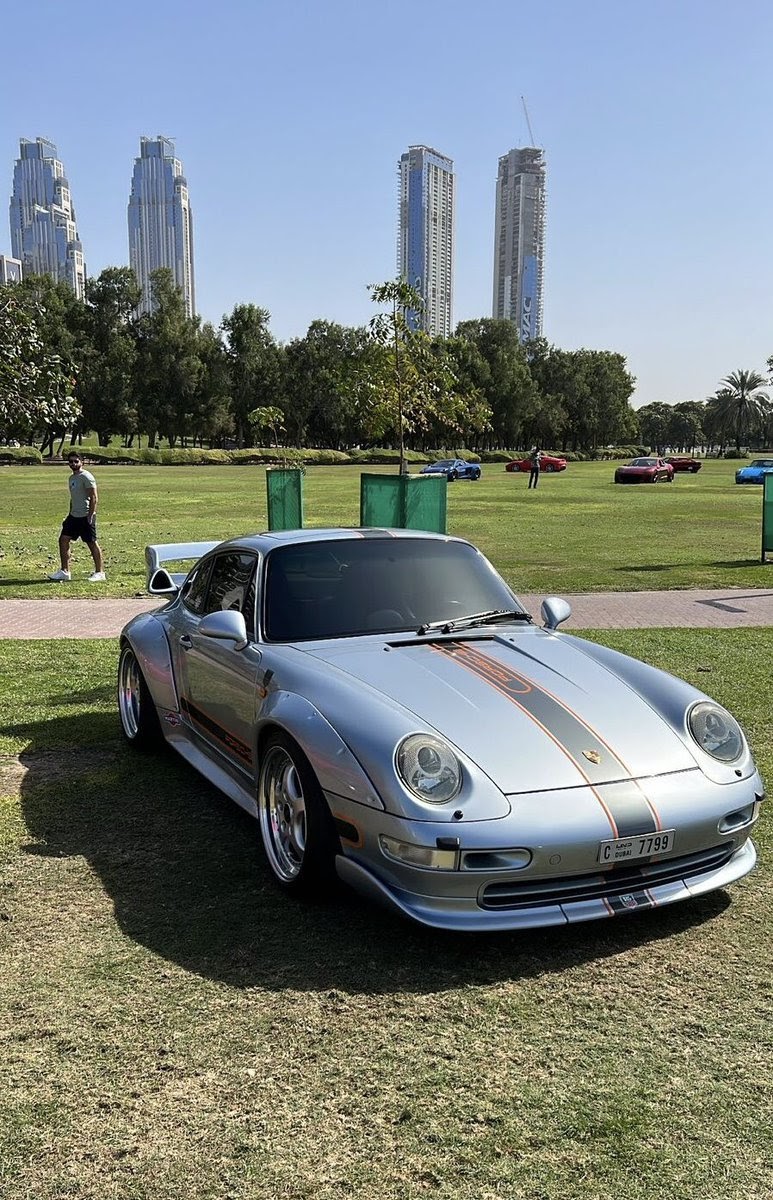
(265, 456)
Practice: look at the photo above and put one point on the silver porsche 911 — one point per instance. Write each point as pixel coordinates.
(387, 709)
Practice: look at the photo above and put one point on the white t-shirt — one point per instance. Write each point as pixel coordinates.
(80, 486)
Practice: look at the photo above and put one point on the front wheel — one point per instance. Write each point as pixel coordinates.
(452, 476)
(296, 827)
(139, 719)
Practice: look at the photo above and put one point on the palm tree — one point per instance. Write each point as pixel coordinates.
(741, 402)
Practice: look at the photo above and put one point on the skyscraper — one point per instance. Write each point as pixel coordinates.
(519, 241)
(10, 270)
(43, 231)
(425, 241)
(160, 220)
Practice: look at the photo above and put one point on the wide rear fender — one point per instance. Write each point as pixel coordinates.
(147, 638)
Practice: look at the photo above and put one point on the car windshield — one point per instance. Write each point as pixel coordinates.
(644, 462)
(375, 585)
(763, 462)
(446, 462)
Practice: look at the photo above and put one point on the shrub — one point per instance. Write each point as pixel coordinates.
(735, 454)
(317, 458)
(499, 456)
(20, 455)
(107, 455)
(439, 455)
(383, 456)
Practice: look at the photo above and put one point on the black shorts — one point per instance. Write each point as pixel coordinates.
(80, 527)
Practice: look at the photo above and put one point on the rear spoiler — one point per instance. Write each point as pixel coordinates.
(161, 581)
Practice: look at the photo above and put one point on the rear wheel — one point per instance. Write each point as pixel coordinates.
(139, 719)
(296, 827)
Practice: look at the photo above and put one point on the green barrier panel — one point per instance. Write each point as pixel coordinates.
(284, 491)
(767, 516)
(403, 502)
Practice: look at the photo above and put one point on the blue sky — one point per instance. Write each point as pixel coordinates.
(655, 118)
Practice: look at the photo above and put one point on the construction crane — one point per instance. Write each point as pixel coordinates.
(528, 122)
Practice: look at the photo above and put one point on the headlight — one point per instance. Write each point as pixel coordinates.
(716, 731)
(429, 768)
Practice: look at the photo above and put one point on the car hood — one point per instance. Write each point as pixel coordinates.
(531, 710)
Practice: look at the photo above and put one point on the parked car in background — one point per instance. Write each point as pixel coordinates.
(755, 472)
(548, 462)
(452, 468)
(683, 462)
(386, 708)
(645, 470)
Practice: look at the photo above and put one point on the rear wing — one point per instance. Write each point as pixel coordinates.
(159, 580)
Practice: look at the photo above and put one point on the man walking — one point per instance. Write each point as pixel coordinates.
(80, 522)
(536, 466)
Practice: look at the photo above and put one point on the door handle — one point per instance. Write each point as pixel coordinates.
(186, 642)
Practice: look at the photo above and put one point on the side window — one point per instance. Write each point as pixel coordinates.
(195, 587)
(231, 586)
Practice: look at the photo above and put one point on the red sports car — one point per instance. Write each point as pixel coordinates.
(681, 462)
(548, 462)
(645, 470)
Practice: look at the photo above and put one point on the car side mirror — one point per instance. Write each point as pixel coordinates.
(554, 611)
(162, 584)
(225, 626)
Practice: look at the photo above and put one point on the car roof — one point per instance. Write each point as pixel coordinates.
(271, 540)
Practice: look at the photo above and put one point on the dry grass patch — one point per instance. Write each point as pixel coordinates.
(172, 1026)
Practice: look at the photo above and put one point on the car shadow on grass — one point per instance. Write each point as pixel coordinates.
(185, 873)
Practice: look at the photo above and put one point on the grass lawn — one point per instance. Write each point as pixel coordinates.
(576, 532)
(173, 1027)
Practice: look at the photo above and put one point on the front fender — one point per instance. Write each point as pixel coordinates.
(334, 765)
(147, 638)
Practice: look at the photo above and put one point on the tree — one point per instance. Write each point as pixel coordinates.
(414, 383)
(267, 418)
(255, 364)
(168, 366)
(497, 364)
(742, 404)
(106, 382)
(655, 424)
(685, 430)
(35, 388)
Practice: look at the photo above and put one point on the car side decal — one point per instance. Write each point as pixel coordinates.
(211, 727)
(628, 809)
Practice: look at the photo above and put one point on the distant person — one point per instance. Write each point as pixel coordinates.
(80, 522)
(536, 467)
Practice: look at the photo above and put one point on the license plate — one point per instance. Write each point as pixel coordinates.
(642, 846)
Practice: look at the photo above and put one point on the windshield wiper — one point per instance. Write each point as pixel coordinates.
(481, 618)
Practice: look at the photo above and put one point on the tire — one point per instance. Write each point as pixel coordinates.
(296, 828)
(475, 476)
(136, 710)
(549, 468)
(452, 476)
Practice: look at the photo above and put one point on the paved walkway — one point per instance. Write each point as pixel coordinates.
(724, 609)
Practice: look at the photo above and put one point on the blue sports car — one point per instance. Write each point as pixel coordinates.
(755, 472)
(453, 468)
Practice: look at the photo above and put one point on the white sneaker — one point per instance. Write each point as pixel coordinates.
(96, 577)
(61, 577)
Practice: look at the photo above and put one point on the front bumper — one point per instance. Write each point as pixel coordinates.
(463, 914)
(538, 865)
